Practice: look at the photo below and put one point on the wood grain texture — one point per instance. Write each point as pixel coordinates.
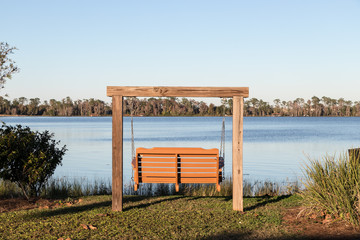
(157, 174)
(177, 91)
(237, 153)
(158, 180)
(156, 164)
(198, 165)
(152, 179)
(158, 159)
(169, 151)
(117, 153)
(176, 172)
(199, 180)
(151, 169)
(198, 160)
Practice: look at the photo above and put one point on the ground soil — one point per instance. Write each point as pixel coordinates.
(317, 227)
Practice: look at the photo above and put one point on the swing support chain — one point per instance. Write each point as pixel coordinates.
(131, 103)
(222, 141)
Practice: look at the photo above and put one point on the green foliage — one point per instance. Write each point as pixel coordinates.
(7, 65)
(333, 186)
(28, 158)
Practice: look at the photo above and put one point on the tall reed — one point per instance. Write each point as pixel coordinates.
(77, 187)
(9, 189)
(332, 186)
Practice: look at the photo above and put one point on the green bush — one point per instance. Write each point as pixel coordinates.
(28, 158)
(333, 187)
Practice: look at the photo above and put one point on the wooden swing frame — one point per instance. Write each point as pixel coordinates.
(118, 93)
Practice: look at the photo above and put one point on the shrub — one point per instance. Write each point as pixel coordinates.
(28, 158)
(333, 187)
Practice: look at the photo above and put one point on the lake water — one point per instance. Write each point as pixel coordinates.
(274, 148)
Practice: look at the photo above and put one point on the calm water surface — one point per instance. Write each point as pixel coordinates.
(274, 148)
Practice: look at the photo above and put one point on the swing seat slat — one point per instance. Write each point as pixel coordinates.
(177, 165)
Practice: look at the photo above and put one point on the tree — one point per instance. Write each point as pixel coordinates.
(7, 65)
(28, 158)
(34, 106)
(316, 102)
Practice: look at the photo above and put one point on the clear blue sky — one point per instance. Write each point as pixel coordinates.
(280, 49)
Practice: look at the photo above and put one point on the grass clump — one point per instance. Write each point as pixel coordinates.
(333, 187)
(65, 187)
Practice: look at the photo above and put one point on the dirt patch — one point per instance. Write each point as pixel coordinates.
(16, 204)
(317, 227)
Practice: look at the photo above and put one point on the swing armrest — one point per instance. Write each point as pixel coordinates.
(133, 162)
(221, 162)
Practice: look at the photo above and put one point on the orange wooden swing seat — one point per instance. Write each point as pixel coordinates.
(177, 165)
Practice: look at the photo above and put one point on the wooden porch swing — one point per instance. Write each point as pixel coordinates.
(178, 164)
(176, 158)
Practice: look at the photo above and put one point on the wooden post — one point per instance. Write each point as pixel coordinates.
(117, 153)
(237, 153)
(354, 153)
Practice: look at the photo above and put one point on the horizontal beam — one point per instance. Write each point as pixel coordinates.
(177, 91)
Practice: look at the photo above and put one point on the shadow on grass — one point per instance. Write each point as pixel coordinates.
(144, 205)
(131, 199)
(92, 206)
(192, 198)
(265, 200)
(70, 210)
(262, 201)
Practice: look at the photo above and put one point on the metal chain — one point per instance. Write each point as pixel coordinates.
(132, 130)
(222, 142)
(131, 103)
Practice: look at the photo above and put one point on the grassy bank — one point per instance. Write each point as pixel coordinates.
(73, 188)
(166, 217)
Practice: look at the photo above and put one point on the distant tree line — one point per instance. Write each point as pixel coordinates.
(170, 106)
(65, 107)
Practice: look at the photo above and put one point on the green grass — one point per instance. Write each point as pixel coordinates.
(165, 217)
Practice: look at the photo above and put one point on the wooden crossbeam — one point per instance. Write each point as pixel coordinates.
(177, 91)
